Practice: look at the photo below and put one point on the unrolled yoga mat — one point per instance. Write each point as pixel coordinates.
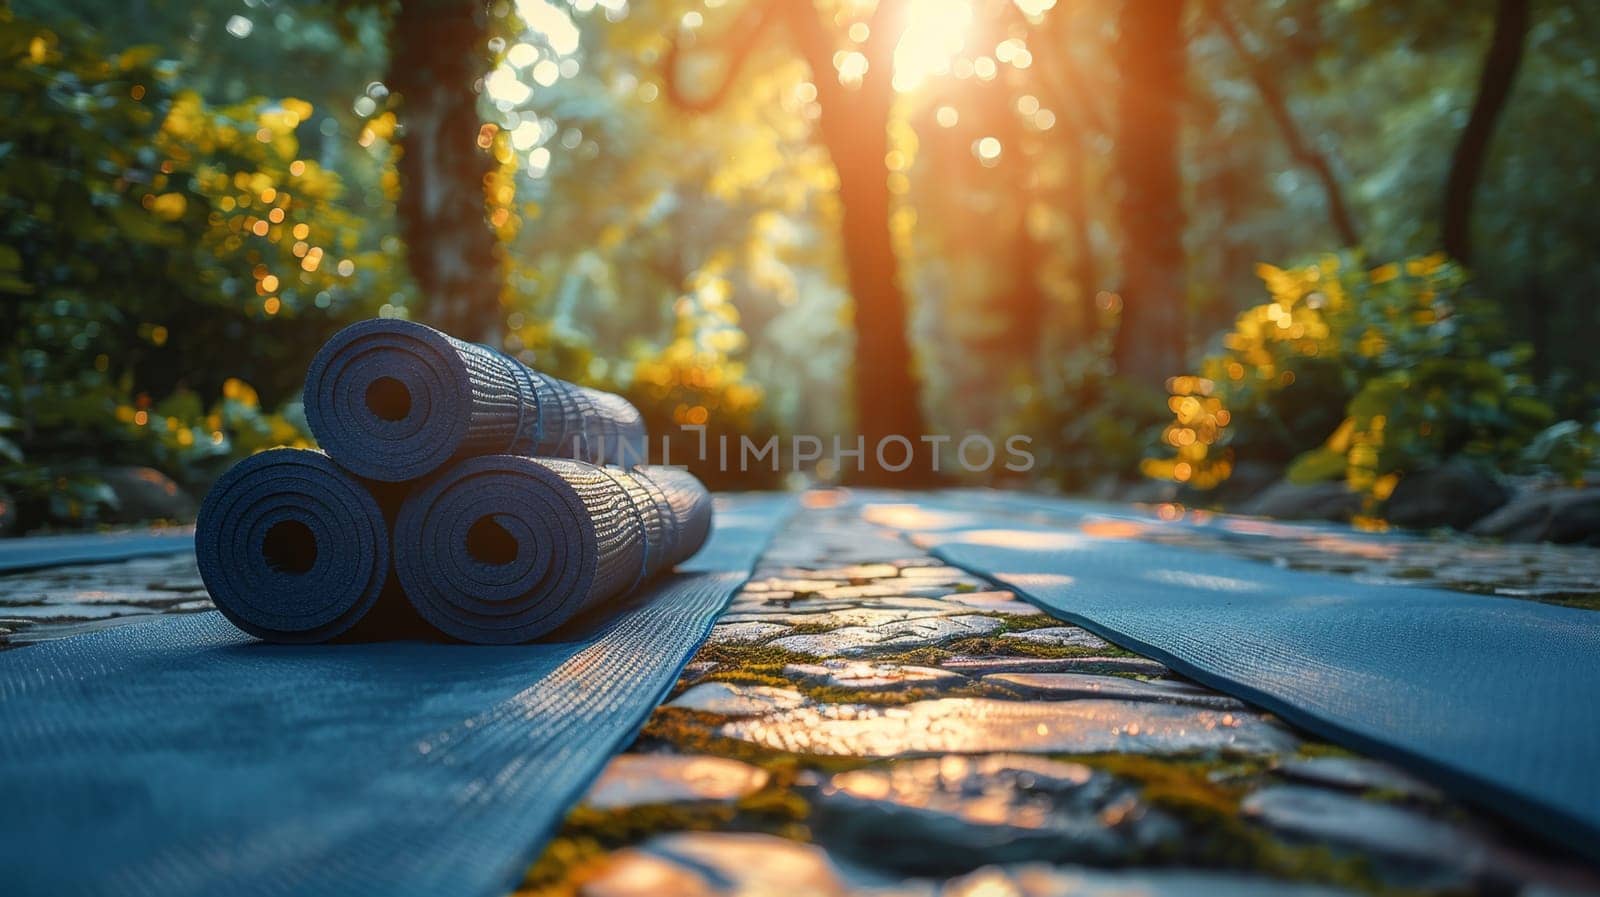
(394, 400)
(503, 549)
(181, 757)
(292, 548)
(40, 552)
(1496, 698)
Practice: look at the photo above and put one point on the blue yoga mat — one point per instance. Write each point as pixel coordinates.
(292, 548)
(181, 757)
(1494, 698)
(40, 552)
(393, 400)
(503, 549)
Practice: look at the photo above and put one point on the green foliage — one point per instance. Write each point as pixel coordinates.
(1363, 375)
(694, 396)
(1565, 448)
(1087, 424)
(153, 249)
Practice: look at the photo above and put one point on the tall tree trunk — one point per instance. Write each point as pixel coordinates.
(1085, 270)
(887, 388)
(854, 126)
(438, 50)
(1500, 66)
(1150, 52)
(1027, 303)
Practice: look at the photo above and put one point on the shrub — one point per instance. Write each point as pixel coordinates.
(154, 250)
(1353, 373)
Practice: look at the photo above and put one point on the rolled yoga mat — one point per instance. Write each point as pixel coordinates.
(395, 400)
(291, 548)
(503, 549)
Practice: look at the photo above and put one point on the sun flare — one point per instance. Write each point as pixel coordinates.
(935, 32)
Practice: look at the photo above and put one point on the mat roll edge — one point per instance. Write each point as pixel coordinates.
(502, 549)
(395, 400)
(291, 547)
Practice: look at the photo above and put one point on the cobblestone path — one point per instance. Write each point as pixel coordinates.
(866, 721)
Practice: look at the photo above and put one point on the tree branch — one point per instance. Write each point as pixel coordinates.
(737, 44)
(1500, 66)
(1278, 107)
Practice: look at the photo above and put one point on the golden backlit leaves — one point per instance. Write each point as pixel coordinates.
(695, 374)
(237, 417)
(1311, 314)
(243, 160)
(1199, 420)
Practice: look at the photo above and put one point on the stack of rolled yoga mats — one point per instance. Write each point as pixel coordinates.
(491, 497)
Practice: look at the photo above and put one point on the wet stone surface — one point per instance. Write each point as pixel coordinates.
(950, 814)
(63, 601)
(733, 700)
(852, 674)
(925, 733)
(1060, 635)
(642, 780)
(976, 725)
(889, 634)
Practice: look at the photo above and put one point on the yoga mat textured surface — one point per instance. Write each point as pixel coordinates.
(181, 757)
(1495, 698)
(395, 400)
(291, 548)
(503, 549)
(39, 552)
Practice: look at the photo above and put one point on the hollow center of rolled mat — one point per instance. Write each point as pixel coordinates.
(489, 543)
(289, 547)
(388, 398)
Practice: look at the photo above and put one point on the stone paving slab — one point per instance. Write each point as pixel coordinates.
(57, 602)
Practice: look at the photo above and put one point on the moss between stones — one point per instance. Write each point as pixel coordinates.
(567, 862)
(1412, 573)
(750, 655)
(588, 835)
(1025, 622)
(839, 694)
(992, 646)
(808, 628)
(1582, 600)
(1311, 749)
(1205, 793)
(694, 732)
